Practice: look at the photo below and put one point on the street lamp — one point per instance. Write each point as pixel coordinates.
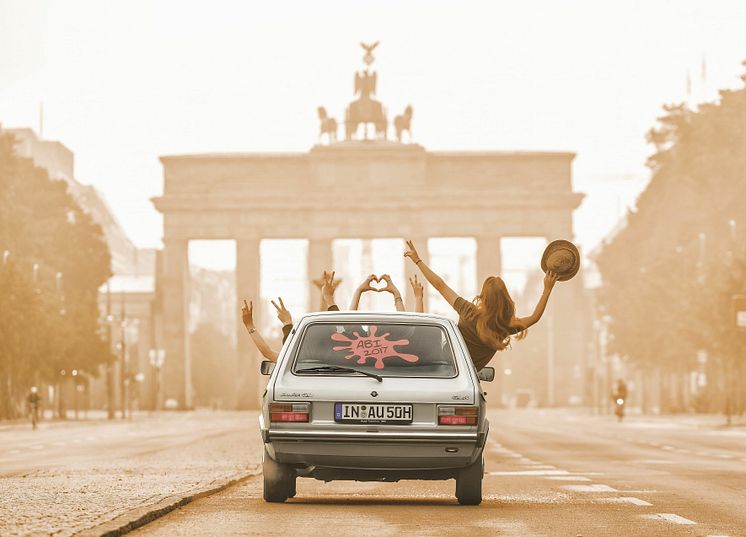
(74, 374)
(156, 358)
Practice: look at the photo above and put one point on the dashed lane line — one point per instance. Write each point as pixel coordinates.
(724, 456)
(568, 478)
(590, 488)
(670, 517)
(627, 499)
(531, 473)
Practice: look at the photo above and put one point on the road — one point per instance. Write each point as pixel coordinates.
(549, 473)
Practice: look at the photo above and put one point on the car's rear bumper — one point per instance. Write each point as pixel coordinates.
(372, 437)
(376, 451)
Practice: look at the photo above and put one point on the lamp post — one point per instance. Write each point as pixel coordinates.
(156, 358)
(74, 374)
(109, 365)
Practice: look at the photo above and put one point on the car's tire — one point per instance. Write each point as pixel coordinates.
(279, 480)
(469, 483)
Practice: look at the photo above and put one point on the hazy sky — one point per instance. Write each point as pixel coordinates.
(126, 81)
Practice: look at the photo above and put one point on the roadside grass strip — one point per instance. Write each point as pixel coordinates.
(589, 488)
(670, 517)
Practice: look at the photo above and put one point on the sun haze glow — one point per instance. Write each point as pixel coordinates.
(124, 82)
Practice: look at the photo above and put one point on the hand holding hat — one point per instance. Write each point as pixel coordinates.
(561, 259)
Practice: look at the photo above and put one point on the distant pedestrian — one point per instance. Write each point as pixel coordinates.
(33, 401)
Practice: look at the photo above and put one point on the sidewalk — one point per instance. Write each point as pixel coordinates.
(74, 476)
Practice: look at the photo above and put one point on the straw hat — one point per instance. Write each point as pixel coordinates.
(562, 258)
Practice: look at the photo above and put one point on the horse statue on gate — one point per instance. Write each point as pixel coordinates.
(404, 123)
(328, 126)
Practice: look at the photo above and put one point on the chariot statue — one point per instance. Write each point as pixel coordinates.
(365, 109)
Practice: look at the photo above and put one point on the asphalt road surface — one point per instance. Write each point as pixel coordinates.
(548, 474)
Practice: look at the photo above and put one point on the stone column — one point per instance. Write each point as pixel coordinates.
(489, 259)
(320, 258)
(410, 269)
(247, 287)
(177, 383)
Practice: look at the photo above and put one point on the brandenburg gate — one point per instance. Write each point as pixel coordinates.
(356, 188)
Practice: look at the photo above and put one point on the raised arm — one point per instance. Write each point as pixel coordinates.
(436, 281)
(327, 290)
(247, 315)
(549, 280)
(391, 288)
(362, 288)
(419, 294)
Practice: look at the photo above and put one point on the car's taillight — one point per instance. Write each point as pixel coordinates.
(297, 412)
(458, 415)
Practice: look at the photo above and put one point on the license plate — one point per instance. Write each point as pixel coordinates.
(372, 413)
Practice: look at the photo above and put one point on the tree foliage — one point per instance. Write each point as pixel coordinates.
(669, 274)
(48, 316)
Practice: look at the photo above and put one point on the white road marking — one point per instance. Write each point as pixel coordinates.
(723, 456)
(533, 472)
(670, 517)
(628, 499)
(38, 446)
(568, 478)
(15, 452)
(590, 488)
(667, 448)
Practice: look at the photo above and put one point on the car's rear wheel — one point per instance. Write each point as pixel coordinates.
(279, 480)
(469, 483)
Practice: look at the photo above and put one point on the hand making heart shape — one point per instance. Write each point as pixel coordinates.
(367, 284)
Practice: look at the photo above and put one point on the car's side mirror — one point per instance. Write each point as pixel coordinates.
(267, 367)
(487, 374)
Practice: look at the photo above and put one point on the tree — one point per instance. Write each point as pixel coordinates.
(48, 315)
(670, 272)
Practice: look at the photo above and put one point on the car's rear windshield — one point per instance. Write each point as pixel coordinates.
(388, 350)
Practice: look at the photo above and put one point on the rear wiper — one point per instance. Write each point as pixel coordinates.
(333, 368)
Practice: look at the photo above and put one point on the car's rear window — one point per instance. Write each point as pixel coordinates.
(388, 350)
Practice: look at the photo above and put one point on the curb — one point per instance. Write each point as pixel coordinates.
(140, 516)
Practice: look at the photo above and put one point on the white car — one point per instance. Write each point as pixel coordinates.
(374, 397)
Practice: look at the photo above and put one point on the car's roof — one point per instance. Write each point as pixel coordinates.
(375, 316)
